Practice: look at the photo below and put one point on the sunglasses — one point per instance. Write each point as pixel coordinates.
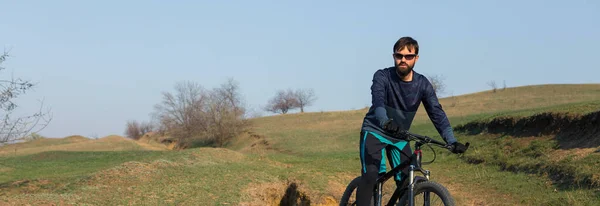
(407, 56)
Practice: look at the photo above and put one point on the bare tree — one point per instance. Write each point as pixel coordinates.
(283, 102)
(17, 128)
(182, 114)
(229, 94)
(226, 113)
(503, 85)
(305, 97)
(437, 82)
(132, 130)
(136, 130)
(493, 85)
(194, 115)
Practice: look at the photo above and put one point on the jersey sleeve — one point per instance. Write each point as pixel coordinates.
(436, 113)
(378, 98)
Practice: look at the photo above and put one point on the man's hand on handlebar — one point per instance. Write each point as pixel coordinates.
(392, 127)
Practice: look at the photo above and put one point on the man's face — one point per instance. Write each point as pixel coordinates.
(405, 60)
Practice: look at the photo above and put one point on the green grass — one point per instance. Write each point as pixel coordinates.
(540, 157)
(512, 186)
(532, 163)
(491, 185)
(61, 164)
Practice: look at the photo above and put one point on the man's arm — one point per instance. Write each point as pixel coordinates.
(436, 113)
(378, 96)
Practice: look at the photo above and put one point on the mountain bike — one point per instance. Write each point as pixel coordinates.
(415, 185)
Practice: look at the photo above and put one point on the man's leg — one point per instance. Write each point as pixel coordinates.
(370, 155)
(399, 152)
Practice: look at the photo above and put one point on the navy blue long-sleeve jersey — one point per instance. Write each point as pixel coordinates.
(397, 99)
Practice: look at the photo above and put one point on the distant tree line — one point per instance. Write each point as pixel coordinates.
(286, 100)
(494, 86)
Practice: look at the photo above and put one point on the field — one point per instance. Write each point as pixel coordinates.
(533, 145)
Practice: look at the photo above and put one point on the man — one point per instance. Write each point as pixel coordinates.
(396, 95)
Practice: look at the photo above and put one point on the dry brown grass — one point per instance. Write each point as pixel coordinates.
(575, 153)
(263, 193)
(128, 173)
(78, 143)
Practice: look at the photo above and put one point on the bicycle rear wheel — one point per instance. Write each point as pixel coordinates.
(436, 193)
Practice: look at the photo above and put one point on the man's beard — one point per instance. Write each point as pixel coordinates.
(404, 71)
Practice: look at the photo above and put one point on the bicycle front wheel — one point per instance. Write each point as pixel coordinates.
(347, 198)
(429, 193)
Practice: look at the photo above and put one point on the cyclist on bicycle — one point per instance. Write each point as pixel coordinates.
(396, 94)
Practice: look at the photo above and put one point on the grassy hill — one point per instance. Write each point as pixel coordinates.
(310, 157)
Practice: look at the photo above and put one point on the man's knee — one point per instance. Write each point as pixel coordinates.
(370, 176)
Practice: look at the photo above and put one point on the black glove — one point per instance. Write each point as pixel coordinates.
(458, 148)
(393, 128)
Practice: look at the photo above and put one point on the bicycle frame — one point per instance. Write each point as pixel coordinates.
(414, 164)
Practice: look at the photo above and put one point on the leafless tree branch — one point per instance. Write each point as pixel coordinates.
(493, 85)
(437, 82)
(18, 128)
(305, 97)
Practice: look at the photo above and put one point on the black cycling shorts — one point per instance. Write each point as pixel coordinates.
(374, 149)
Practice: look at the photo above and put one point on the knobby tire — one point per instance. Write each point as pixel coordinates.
(350, 189)
(433, 188)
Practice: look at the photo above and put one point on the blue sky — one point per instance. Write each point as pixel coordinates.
(99, 64)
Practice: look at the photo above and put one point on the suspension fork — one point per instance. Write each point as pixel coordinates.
(379, 195)
(411, 186)
(411, 173)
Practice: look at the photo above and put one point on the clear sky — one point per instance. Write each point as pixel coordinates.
(99, 64)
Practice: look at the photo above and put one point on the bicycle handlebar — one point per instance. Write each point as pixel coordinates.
(426, 140)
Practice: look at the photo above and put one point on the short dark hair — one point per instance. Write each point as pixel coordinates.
(407, 42)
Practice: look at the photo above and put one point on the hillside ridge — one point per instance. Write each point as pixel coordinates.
(572, 130)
